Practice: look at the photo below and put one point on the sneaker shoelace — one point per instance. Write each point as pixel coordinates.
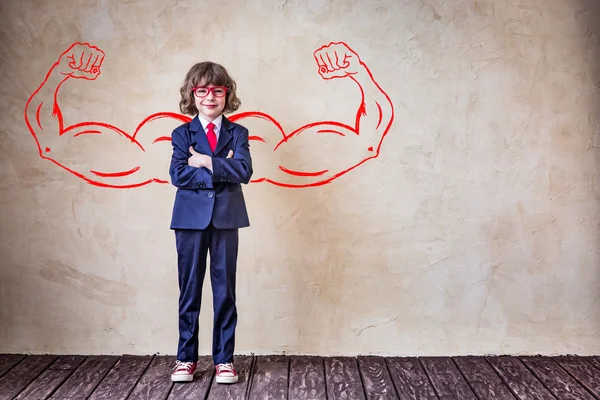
(227, 367)
(180, 365)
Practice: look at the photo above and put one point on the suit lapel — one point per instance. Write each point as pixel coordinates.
(199, 140)
(224, 135)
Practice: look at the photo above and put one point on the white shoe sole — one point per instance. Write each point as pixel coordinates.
(182, 378)
(226, 379)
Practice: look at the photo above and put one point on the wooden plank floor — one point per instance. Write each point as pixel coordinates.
(300, 377)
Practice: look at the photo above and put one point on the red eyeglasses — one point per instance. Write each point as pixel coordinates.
(202, 91)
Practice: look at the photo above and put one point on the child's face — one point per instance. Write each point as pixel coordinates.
(210, 106)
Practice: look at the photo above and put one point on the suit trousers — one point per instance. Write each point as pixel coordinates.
(192, 248)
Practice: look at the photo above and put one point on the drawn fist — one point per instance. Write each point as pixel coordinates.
(336, 60)
(81, 61)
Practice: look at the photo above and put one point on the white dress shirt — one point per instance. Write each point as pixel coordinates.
(217, 123)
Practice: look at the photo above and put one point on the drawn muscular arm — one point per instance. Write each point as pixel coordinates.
(319, 152)
(313, 155)
(97, 152)
(375, 112)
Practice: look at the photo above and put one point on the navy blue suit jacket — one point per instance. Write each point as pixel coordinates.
(203, 196)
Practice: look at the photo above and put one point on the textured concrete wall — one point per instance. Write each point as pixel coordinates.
(473, 228)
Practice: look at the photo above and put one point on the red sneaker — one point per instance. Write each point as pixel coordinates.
(183, 371)
(226, 373)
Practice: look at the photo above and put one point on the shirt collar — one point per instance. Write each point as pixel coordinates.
(218, 121)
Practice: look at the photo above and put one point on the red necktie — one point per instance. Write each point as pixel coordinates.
(212, 138)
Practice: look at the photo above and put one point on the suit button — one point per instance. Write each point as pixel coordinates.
(210, 195)
(198, 185)
(202, 184)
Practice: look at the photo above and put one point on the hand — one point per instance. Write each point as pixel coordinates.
(81, 61)
(337, 60)
(199, 160)
(202, 160)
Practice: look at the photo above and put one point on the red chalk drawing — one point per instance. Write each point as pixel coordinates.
(312, 155)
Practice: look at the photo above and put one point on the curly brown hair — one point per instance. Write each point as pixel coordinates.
(207, 73)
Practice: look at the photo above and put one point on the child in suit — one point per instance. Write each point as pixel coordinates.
(210, 160)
